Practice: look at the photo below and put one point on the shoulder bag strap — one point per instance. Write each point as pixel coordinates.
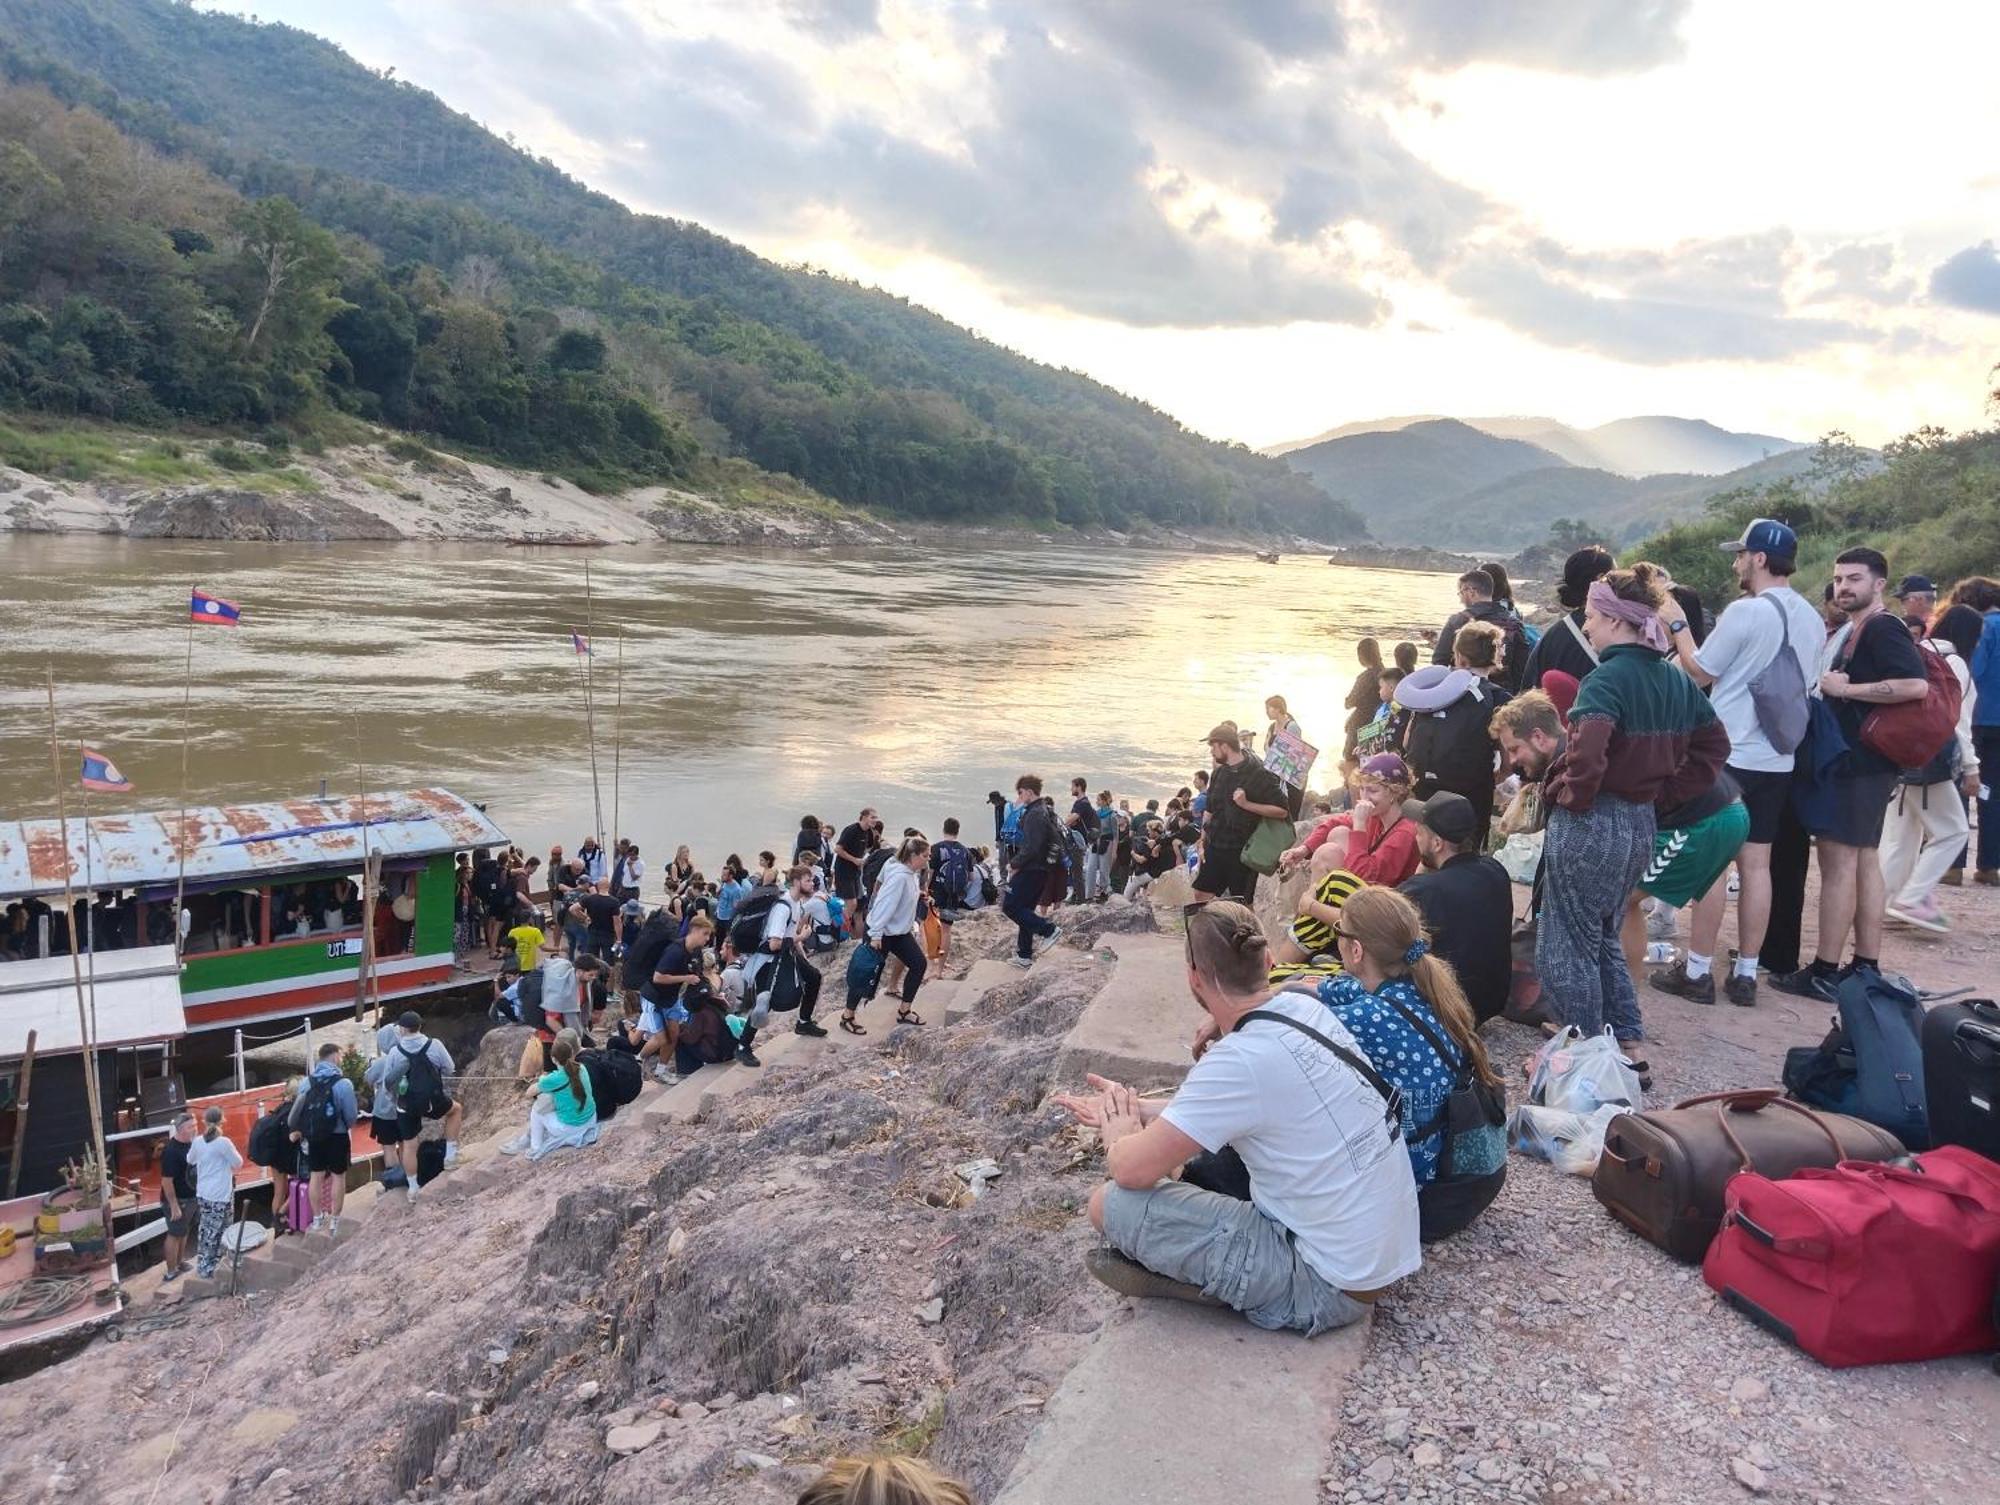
(1390, 1096)
(1577, 633)
(1460, 1073)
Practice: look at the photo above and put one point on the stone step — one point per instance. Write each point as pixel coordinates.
(1113, 1432)
(1138, 1028)
(696, 1095)
(980, 979)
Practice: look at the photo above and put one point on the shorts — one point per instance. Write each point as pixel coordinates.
(1231, 1250)
(653, 1018)
(1764, 794)
(412, 1122)
(1224, 875)
(1859, 804)
(1688, 859)
(1314, 936)
(183, 1225)
(329, 1152)
(387, 1131)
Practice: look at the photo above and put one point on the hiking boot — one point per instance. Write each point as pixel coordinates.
(1741, 991)
(1130, 1278)
(1675, 980)
(1987, 877)
(746, 1056)
(1809, 982)
(808, 1028)
(1953, 878)
(1925, 916)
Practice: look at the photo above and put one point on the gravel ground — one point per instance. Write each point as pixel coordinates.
(1547, 1353)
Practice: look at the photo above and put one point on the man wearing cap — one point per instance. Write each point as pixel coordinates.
(1771, 618)
(1918, 597)
(1466, 897)
(1241, 792)
(1563, 646)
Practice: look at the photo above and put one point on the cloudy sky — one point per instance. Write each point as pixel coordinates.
(1273, 216)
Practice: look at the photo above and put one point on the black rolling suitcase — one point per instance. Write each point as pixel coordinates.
(1961, 1043)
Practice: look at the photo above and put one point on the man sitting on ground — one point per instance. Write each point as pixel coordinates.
(1277, 1079)
(1466, 898)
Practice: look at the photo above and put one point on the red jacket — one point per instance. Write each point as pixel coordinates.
(1384, 859)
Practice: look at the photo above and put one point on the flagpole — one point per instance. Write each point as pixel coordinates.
(180, 841)
(589, 715)
(617, 736)
(75, 962)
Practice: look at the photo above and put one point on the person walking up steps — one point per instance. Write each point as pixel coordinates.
(892, 921)
(415, 1074)
(322, 1120)
(1038, 851)
(214, 1160)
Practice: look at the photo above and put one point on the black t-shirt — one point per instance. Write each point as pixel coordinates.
(676, 961)
(1468, 907)
(602, 910)
(855, 841)
(174, 1168)
(1229, 825)
(1882, 649)
(1085, 813)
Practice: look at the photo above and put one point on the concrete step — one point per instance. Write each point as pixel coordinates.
(1113, 1432)
(980, 979)
(1138, 1028)
(707, 1088)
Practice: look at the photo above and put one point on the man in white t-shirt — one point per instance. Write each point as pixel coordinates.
(1750, 634)
(1331, 1215)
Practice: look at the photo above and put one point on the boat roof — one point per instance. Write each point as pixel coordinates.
(238, 841)
(135, 996)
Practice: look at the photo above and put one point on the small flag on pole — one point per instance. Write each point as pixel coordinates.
(580, 643)
(101, 774)
(213, 610)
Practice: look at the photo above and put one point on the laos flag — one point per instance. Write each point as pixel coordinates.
(101, 774)
(213, 610)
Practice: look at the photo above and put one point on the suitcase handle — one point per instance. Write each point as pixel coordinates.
(1755, 1102)
(1979, 1041)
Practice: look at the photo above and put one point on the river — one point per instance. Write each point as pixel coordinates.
(755, 686)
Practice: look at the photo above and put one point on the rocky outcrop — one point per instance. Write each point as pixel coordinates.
(252, 516)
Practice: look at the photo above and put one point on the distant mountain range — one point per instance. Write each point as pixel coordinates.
(1491, 483)
(1624, 446)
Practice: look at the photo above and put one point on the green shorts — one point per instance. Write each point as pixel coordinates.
(1687, 860)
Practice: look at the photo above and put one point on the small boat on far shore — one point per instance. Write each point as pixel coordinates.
(1271, 558)
(566, 541)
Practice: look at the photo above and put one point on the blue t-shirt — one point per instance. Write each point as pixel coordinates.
(1395, 1048)
(729, 896)
(1200, 804)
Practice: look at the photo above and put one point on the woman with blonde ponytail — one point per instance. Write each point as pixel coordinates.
(1406, 1010)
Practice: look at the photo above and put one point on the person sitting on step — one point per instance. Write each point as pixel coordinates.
(565, 1114)
(1276, 1079)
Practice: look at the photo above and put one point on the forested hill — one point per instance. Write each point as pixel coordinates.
(461, 257)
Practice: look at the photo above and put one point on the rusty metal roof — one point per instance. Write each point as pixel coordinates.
(238, 841)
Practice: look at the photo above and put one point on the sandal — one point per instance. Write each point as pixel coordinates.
(852, 1025)
(908, 1016)
(1645, 1073)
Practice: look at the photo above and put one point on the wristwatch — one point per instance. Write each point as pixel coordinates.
(1676, 627)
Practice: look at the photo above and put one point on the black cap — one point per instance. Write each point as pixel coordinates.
(411, 1020)
(1916, 585)
(1451, 816)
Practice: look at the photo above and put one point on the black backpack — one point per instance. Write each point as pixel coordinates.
(528, 1001)
(319, 1113)
(423, 1084)
(615, 1079)
(267, 1139)
(642, 956)
(871, 870)
(746, 926)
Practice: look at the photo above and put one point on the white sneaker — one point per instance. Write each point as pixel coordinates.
(413, 1191)
(1048, 940)
(664, 1077)
(318, 1223)
(1023, 962)
(450, 1157)
(515, 1145)
(333, 1227)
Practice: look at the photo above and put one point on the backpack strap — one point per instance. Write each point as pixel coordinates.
(1582, 641)
(1391, 1098)
(1437, 1043)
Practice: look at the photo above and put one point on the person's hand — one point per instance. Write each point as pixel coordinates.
(1291, 857)
(1206, 1034)
(1968, 785)
(1238, 798)
(1833, 685)
(1121, 1115)
(1089, 1107)
(295, 1136)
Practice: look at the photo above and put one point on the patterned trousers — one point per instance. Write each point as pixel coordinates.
(208, 1240)
(1591, 863)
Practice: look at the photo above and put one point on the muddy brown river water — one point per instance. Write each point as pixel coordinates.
(755, 687)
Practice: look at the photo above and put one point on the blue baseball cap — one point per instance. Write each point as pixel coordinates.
(1765, 535)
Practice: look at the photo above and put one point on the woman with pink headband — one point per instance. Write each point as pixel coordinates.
(1640, 735)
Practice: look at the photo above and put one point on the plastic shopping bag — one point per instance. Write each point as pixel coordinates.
(1571, 1142)
(1580, 1074)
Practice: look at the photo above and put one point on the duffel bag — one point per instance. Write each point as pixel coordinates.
(1864, 1263)
(1663, 1173)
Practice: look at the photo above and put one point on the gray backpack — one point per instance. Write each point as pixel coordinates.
(1778, 692)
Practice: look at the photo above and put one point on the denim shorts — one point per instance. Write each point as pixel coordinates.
(1231, 1250)
(652, 1020)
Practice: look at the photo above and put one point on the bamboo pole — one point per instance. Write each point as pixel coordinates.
(180, 840)
(21, 1119)
(589, 714)
(617, 739)
(75, 961)
(370, 881)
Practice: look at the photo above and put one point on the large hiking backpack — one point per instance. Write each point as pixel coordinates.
(642, 956)
(746, 926)
(528, 1000)
(423, 1083)
(320, 1112)
(954, 875)
(267, 1140)
(615, 1079)
(1871, 1064)
(871, 870)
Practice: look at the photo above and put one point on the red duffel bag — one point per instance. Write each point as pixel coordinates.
(1866, 1263)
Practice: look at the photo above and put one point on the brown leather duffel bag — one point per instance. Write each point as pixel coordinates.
(1662, 1173)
